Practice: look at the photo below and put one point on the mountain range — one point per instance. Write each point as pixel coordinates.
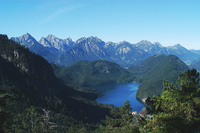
(66, 52)
(33, 83)
(150, 73)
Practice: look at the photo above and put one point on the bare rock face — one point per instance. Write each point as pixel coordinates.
(26, 40)
(152, 48)
(66, 52)
(54, 42)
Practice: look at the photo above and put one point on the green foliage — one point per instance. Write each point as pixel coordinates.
(153, 71)
(92, 73)
(4, 113)
(123, 121)
(189, 81)
(177, 109)
(29, 121)
(123, 115)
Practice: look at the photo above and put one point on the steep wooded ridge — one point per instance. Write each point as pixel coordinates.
(30, 80)
(92, 73)
(65, 52)
(153, 71)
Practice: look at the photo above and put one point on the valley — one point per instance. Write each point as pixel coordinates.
(91, 61)
(99, 66)
(86, 91)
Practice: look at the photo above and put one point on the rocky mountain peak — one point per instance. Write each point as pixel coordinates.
(26, 40)
(177, 46)
(27, 36)
(55, 42)
(90, 40)
(144, 42)
(94, 39)
(50, 37)
(81, 39)
(158, 44)
(69, 39)
(123, 43)
(44, 42)
(110, 44)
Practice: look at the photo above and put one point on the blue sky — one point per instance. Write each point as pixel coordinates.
(166, 21)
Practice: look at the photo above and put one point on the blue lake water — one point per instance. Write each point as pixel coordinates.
(117, 94)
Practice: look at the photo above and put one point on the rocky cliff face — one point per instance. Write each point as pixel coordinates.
(53, 42)
(89, 49)
(26, 40)
(151, 48)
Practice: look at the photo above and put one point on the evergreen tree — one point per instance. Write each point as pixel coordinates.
(177, 109)
(123, 120)
(123, 116)
(30, 121)
(4, 112)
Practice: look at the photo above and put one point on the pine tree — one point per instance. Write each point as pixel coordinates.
(177, 109)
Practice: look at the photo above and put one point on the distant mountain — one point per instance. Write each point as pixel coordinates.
(156, 48)
(53, 42)
(92, 73)
(151, 48)
(184, 54)
(128, 54)
(28, 41)
(89, 49)
(195, 51)
(153, 71)
(66, 52)
(195, 65)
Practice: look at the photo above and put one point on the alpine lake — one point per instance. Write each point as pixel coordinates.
(118, 93)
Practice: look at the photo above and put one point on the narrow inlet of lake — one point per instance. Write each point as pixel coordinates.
(117, 94)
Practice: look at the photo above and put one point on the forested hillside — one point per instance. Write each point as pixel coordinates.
(153, 71)
(28, 86)
(150, 74)
(92, 73)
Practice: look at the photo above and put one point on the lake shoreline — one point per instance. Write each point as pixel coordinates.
(118, 93)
